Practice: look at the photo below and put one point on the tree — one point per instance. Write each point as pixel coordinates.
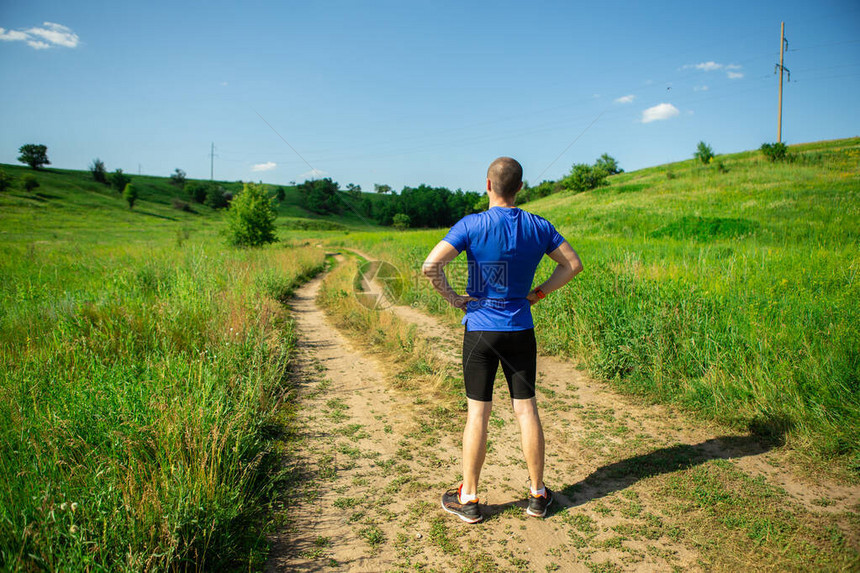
(280, 194)
(97, 168)
(704, 153)
(178, 178)
(34, 155)
(354, 190)
(774, 151)
(130, 195)
(401, 221)
(382, 188)
(6, 181)
(29, 182)
(251, 220)
(608, 164)
(320, 196)
(119, 180)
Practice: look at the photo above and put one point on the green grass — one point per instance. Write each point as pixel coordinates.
(69, 206)
(732, 293)
(142, 370)
(732, 516)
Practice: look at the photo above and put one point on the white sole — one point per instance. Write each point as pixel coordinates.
(528, 511)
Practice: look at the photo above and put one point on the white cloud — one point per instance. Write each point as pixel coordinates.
(714, 66)
(56, 34)
(267, 166)
(709, 66)
(313, 174)
(41, 38)
(625, 99)
(659, 112)
(701, 88)
(12, 35)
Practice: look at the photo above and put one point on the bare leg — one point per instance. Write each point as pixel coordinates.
(475, 444)
(531, 432)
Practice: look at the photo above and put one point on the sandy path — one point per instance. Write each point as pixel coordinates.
(380, 462)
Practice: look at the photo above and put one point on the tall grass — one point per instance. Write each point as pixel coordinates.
(733, 293)
(138, 386)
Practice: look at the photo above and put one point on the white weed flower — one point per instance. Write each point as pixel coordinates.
(74, 506)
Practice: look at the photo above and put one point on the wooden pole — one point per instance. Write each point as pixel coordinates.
(781, 55)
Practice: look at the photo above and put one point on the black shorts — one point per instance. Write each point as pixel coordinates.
(482, 352)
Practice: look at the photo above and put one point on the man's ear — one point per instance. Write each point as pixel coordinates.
(489, 185)
(520, 188)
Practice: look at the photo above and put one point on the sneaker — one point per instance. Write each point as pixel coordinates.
(468, 512)
(539, 503)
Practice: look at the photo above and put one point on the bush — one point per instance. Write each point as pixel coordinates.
(704, 153)
(197, 190)
(119, 180)
(97, 168)
(251, 220)
(29, 182)
(6, 181)
(585, 177)
(401, 221)
(280, 194)
(130, 195)
(181, 205)
(34, 155)
(178, 178)
(775, 151)
(216, 198)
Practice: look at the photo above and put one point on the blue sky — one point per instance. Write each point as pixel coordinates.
(405, 93)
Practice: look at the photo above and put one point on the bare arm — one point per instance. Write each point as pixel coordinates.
(568, 267)
(434, 269)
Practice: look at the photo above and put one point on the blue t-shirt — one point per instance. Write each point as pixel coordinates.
(503, 248)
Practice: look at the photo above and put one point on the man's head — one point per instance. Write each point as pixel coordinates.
(505, 177)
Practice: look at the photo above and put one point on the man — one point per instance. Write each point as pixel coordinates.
(504, 246)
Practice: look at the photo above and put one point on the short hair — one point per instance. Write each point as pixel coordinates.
(506, 176)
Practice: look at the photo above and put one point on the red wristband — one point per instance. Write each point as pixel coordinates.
(540, 294)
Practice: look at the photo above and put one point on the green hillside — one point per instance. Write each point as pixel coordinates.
(69, 205)
(731, 289)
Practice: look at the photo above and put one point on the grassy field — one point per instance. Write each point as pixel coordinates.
(654, 499)
(732, 291)
(142, 363)
(142, 382)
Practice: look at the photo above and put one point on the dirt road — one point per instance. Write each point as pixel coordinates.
(379, 459)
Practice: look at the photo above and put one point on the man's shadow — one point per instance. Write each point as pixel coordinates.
(620, 475)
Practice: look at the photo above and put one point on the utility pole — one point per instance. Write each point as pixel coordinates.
(780, 68)
(212, 152)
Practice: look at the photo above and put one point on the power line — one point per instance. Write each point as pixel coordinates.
(285, 141)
